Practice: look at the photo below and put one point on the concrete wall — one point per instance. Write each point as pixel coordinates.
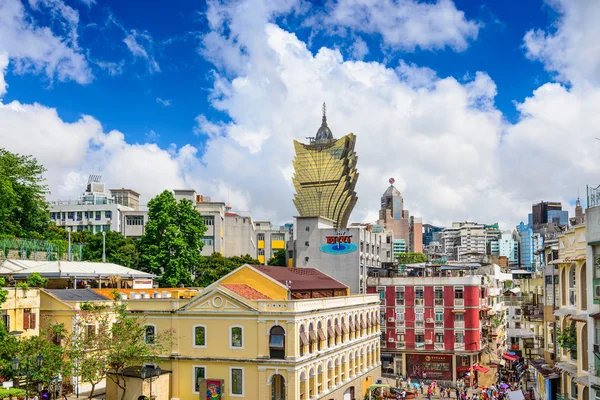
(17, 301)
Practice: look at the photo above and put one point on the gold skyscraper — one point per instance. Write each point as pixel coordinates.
(325, 176)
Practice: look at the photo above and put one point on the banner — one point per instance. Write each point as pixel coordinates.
(433, 365)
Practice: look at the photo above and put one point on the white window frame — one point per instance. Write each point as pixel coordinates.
(421, 313)
(194, 345)
(155, 333)
(231, 337)
(231, 382)
(462, 333)
(194, 376)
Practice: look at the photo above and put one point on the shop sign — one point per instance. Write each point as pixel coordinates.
(433, 365)
(339, 243)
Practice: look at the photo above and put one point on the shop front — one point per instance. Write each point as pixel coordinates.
(431, 366)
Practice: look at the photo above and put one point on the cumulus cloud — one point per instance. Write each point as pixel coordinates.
(404, 24)
(36, 49)
(570, 47)
(141, 45)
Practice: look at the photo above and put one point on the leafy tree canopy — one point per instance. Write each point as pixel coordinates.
(215, 266)
(278, 259)
(119, 249)
(172, 241)
(411, 258)
(23, 206)
(36, 280)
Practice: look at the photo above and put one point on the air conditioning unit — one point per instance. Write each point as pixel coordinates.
(597, 292)
(391, 340)
(429, 320)
(391, 319)
(428, 341)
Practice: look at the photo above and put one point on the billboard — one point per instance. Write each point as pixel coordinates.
(211, 389)
(339, 243)
(434, 365)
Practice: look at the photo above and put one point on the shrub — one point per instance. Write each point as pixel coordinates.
(4, 393)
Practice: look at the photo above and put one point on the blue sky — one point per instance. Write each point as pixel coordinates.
(214, 88)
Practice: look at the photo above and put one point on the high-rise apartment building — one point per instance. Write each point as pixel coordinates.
(325, 176)
(270, 239)
(467, 241)
(394, 218)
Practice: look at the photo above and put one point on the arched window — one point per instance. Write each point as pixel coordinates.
(321, 335)
(572, 290)
(277, 343)
(583, 287)
(344, 328)
(330, 334)
(338, 332)
(199, 336)
(277, 387)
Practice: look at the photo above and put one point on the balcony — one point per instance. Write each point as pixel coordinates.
(419, 302)
(438, 346)
(438, 302)
(400, 345)
(459, 347)
(459, 324)
(419, 346)
(419, 324)
(400, 302)
(400, 324)
(439, 324)
(459, 303)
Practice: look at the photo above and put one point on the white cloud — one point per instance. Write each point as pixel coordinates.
(152, 136)
(570, 48)
(359, 49)
(404, 24)
(164, 102)
(36, 49)
(141, 45)
(3, 67)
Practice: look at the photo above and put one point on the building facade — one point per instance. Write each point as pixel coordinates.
(20, 313)
(431, 233)
(467, 241)
(395, 218)
(431, 324)
(573, 362)
(548, 211)
(325, 176)
(95, 211)
(270, 240)
(345, 254)
(244, 335)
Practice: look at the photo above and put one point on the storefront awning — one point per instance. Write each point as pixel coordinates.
(510, 357)
(481, 369)
(562, 312)
(595, 315)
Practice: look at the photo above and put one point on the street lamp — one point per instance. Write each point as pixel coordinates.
(151, 373)
(15, 364)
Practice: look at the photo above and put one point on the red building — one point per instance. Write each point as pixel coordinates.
(431, 325)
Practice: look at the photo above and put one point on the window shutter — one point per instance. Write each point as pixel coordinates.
(33, 320)
(25, 320)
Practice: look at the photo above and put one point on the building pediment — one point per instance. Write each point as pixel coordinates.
(217, 300)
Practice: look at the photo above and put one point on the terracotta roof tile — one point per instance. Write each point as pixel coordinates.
(246, 291)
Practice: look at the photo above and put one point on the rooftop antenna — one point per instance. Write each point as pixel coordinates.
(324, 109)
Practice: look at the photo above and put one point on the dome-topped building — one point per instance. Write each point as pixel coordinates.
(325, 176)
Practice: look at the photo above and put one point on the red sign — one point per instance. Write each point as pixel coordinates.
(214, 389)
(339, 239)
(435, 366)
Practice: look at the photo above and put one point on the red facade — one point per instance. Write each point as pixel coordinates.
(470, 311)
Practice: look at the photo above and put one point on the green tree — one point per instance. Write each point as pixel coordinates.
(23, 206)
(119, 249)
(411, 258)
(131, 346)
(89, 344)
(36, 280)
(278, 259)
(172, 240)
(214, 267)
(3, 293)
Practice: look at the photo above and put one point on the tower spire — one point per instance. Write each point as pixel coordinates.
(324, 109)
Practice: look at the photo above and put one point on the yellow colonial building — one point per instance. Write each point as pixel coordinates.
(573, 364)
(273, 333)
(20, 313)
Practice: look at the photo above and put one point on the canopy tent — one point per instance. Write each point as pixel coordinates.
(510, 357)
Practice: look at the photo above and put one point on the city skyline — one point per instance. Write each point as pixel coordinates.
(472, 119)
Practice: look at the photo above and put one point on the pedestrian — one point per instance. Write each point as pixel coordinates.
(403, 394)
(422, 386)
(429, 393)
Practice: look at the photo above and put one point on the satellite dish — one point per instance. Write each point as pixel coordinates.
(391, 181)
